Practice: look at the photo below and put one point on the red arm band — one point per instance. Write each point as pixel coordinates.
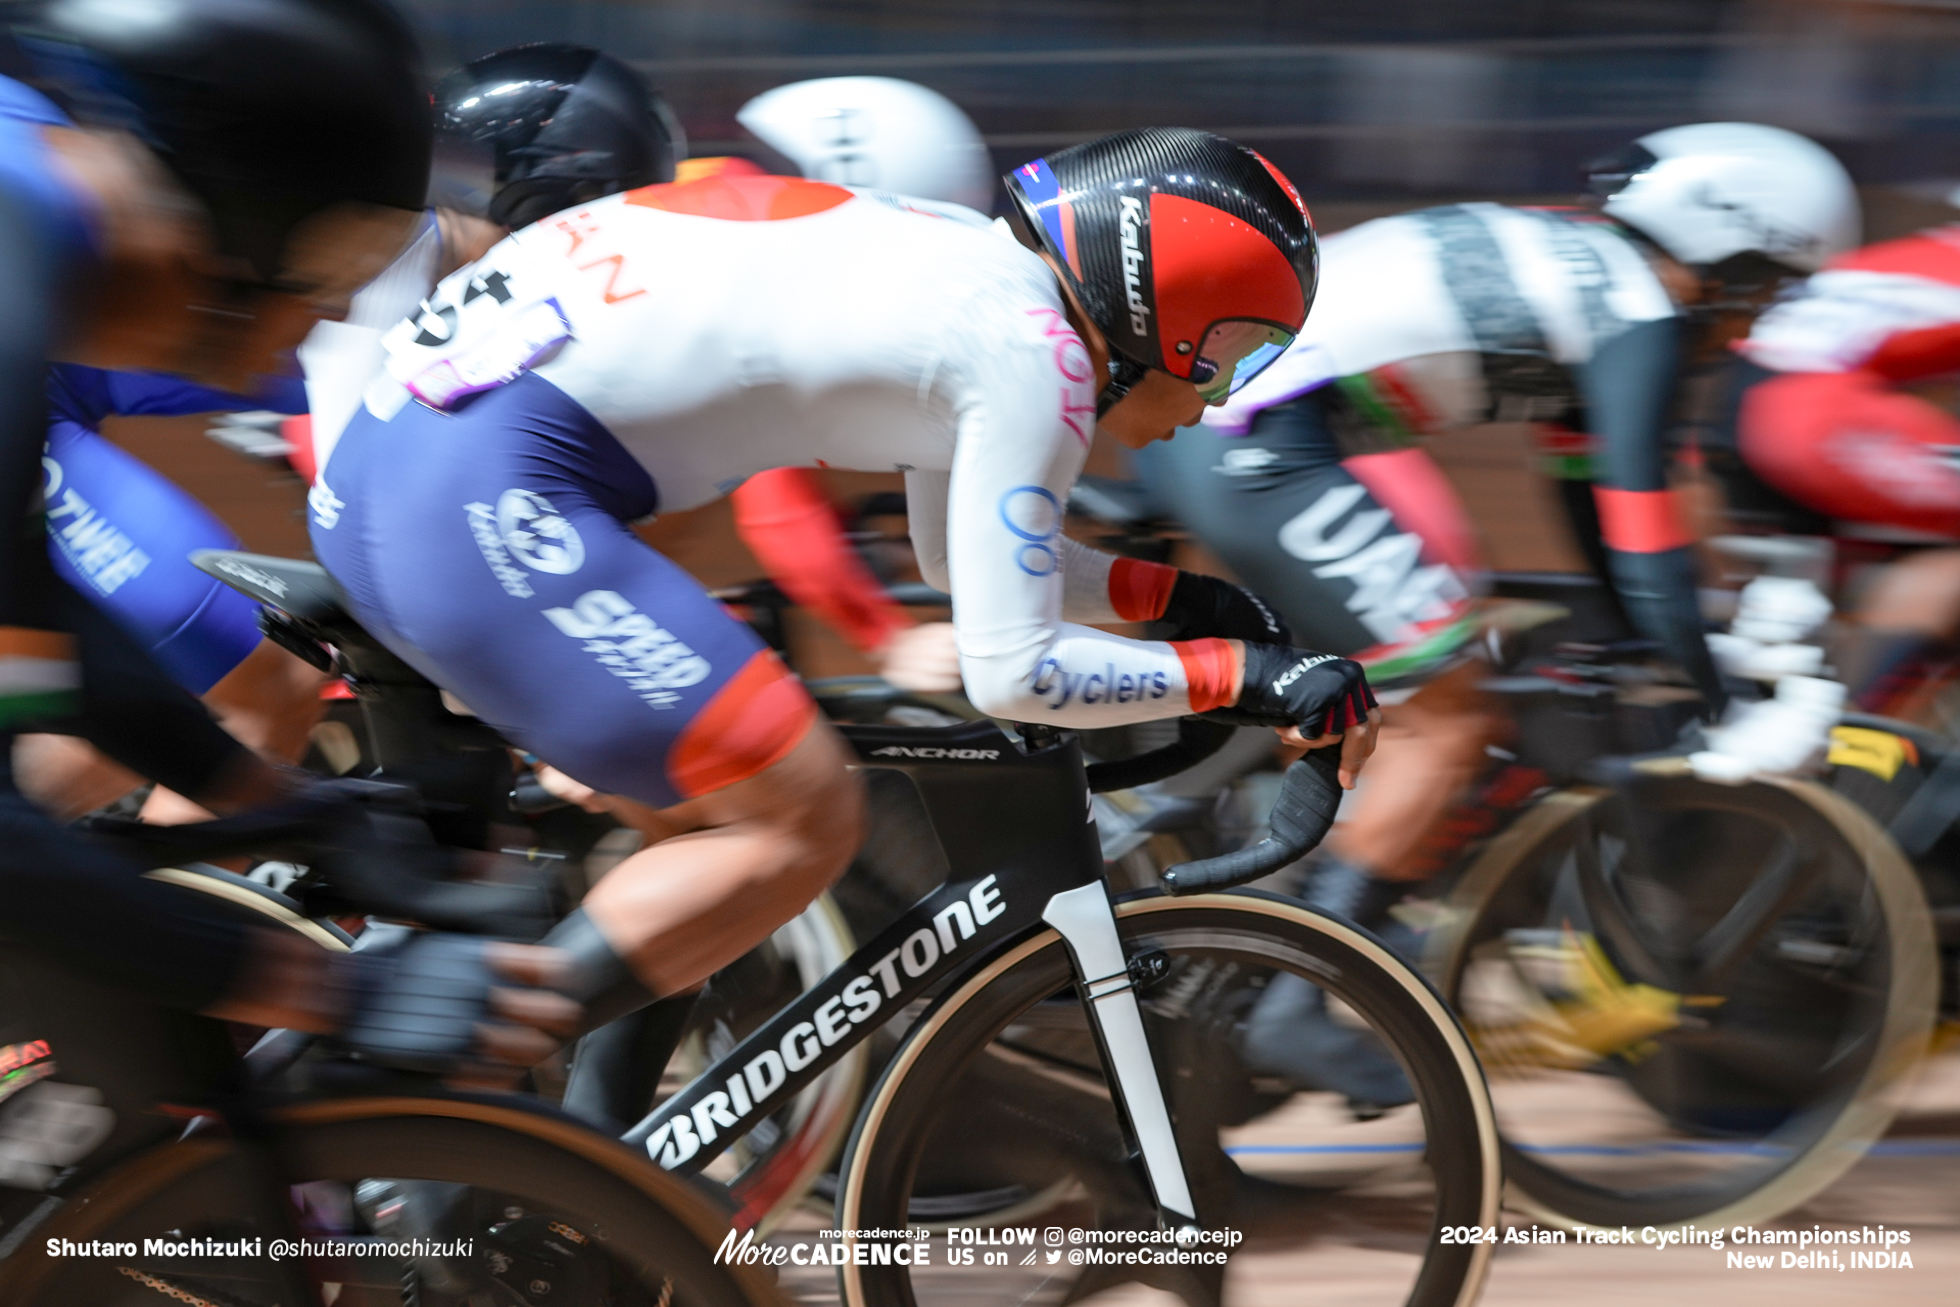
(1640, 521)
(1211, 672)
(298, 432)
(1140, 591)
(785, 519)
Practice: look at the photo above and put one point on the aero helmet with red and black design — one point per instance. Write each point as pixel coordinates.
(1191, 253)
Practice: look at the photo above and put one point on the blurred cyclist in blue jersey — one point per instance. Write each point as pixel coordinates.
(565, 124)
(200, 182)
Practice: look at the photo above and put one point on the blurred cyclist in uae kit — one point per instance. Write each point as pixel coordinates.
(1308, 484)
(653, 349)
(215, 178)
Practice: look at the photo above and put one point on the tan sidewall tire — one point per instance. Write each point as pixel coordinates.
(856, 1162)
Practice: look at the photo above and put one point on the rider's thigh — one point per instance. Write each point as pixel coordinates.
(271, 701)
(1452, 708)
(1431, 747)
(810, 789)
(67, 777)
(757, 852)
(1848, 446)
(134, 711)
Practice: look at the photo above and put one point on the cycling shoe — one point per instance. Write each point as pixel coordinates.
(1291, 1035)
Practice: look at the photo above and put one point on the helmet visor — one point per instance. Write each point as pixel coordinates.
(1232, 354)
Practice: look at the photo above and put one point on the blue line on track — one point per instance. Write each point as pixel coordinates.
(1883, 1148)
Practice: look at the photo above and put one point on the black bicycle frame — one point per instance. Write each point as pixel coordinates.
(1015, 823)
(1016, 829)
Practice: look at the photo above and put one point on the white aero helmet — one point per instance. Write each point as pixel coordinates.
(1710, 191)
(878, 132)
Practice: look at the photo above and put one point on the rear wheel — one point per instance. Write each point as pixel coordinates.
(995, 1113)
(1694, 1001)
(569, 1216)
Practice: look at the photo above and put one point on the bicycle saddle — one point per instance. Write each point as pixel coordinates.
(288, 584)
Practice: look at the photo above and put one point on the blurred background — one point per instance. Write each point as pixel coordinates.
(1354, 99)
(1370, 106)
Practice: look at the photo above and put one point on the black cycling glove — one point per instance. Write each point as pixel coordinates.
(417, 1002)
(1202, 606)
(1322, 694)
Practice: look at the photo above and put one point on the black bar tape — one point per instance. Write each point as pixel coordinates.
(1309, 796)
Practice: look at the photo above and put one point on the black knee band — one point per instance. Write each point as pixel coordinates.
(599, 979)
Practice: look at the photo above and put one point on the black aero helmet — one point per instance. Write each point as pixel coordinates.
(268, 111)
(528, 131)
(1190, 252)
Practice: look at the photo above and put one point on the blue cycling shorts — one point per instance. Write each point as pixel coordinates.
(122, 533)
(489, 549)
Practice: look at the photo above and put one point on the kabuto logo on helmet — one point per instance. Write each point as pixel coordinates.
(1130, 226)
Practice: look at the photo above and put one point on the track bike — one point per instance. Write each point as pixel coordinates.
(146, 1163)
(395, 723)
(1698, 1003)
(1022, 933)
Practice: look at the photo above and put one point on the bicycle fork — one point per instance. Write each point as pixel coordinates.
(1087, 925)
